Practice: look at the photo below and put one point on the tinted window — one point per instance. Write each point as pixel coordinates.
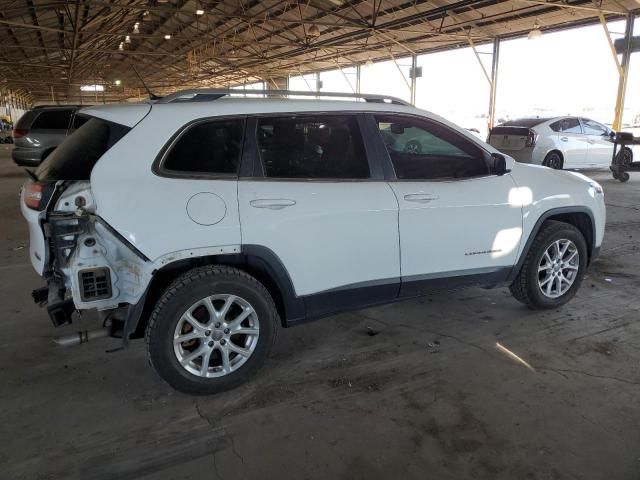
(25, 120)
(425, 150)
(212, 147)
(594, 128)
(75, 157)
(79, 120)
(568, 125)
(52, 120)
(312, 147)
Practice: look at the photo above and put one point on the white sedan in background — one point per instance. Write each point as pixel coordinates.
(561, 142)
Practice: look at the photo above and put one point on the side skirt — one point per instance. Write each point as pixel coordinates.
(356, 297)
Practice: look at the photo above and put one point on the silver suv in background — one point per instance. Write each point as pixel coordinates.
(40, 130)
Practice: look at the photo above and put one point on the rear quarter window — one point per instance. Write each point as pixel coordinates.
(76, 156)
(52, 120)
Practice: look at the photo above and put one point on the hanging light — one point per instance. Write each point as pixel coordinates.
(535, 33)
(199, 11)
(167, 37)
(127, 39)
(313, 32)
(117, 82)
(136, 28)
(121, 46)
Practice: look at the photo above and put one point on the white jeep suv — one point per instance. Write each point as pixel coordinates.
(204, 221)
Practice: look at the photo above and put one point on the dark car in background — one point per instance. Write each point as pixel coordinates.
(40, 130)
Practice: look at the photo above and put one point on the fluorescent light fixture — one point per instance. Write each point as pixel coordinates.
(92, 88)
(136, 28)
(167, 37)
(199, 11)
(127, 39)
(121, 46)
(118, 82)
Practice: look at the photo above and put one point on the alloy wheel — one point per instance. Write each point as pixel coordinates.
(558, 268)
(216, 335)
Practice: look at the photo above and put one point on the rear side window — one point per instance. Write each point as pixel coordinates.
(567, 125)
(52, 120)
(24, 122)
(211, 147)
(75, 157)
(312, 147)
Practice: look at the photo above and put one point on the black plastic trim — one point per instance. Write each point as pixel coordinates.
(536, 228)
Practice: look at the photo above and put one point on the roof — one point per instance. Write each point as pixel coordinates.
(51, 48)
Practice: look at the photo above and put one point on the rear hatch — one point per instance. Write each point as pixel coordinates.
(509, 138)
(71, 162)
(515, 135)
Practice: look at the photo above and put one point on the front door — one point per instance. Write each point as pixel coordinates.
(317, 207)
(600, 151)
(458, 223)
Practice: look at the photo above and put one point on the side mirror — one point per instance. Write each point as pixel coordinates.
(498, 164)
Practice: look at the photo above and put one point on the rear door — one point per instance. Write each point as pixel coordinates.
(573, 143)
(317, 201)
(600, 151)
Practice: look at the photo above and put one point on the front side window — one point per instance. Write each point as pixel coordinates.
(52, 120)
(424, 150)
(209, 147)
(594, 128)
(319, 146)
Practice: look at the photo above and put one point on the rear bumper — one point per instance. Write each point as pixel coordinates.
(27, 157)
(526, 155)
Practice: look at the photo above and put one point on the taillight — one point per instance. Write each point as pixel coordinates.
(532, 138)
(37, 195)
(19, 132)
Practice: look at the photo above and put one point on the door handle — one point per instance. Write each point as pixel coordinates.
(564, 139)
(420, 197)
(272, 203)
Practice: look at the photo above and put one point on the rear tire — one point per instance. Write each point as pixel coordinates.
(553, 160)
(211, 330)
(549, 276)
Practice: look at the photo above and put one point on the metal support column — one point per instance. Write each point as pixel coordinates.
(495, 60)
(624, 74)
(358, 69)
(414, 67)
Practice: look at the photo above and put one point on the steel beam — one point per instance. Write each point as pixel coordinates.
(624, 74)
(495, 60)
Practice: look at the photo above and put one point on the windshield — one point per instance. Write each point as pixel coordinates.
(75, 157)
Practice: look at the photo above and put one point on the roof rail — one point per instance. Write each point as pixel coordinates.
(211, 94)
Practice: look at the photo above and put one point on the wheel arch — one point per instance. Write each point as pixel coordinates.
(256, 260)
(580, 217)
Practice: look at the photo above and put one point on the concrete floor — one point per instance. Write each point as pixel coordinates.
(431, 396)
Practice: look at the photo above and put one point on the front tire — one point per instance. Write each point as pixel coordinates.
(211, 330)
(553, 268)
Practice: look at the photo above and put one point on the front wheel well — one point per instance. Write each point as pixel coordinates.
(582, 221)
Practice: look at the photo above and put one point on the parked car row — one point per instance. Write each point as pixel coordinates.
(561, 142)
